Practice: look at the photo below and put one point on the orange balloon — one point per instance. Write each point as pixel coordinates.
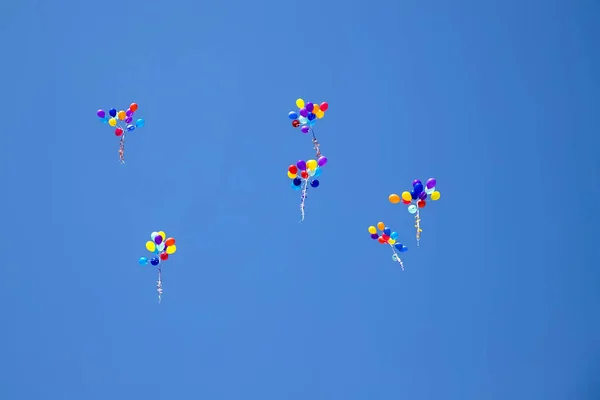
(380, 226)
(133, 107)
(169, 242)
(394, 198)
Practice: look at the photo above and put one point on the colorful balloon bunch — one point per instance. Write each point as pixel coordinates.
(303, 174)
(307, 114)
(163, 247)
(388, 237)
(416, 199)
(122, 122)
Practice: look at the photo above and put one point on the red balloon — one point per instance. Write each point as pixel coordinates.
(293, 169)
(421, 203)
(385, 237)
(407, 202)
(164, 256)
(304, 174)
(118, 131)
(380, 240)
(295, 123)
(324, 106)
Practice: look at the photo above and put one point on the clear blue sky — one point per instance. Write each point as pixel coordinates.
(497, 100)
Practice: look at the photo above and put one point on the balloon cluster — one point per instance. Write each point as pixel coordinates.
(125, 116)
(418, 195)
(386, 236)
(307, 114)
(306, 171)
(161, 246)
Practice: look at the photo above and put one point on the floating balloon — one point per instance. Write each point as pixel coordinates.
(303, 175)
(387, 236)
(163, 247)
(121, 127)
(306, 117)
(416, 199)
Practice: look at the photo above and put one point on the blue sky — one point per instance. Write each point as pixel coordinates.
(496, 100)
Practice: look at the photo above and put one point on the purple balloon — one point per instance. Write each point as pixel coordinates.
(374, 236)
(423, 195)
(322, 161)
(158, 239)
(309, 106)
(305, 129)
(303, 112)
(101, 114)
(128, 120)
(416, 182)
(129, 113)
(430, 183)
(301, 165)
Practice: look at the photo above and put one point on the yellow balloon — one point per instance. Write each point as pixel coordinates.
(164, 235)
(391, 241)
(406, 196)
(300, 103)
(121, 115)
(112, 122)
(320, 114)
(380, 226)
(150, 246)
(291, 176)
(372, 230)
(435, 195)
(394, 198)
(171, 249)
(311, 164)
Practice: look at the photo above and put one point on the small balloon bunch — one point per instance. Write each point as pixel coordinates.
(306, 117)
(303, 174)
(416, 199)
(122, 122)
(388, 237)
(163, 247)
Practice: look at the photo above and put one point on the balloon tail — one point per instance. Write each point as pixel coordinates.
(122, 149)
(159, 285)
(418, 226)
(396, 258)
(316, 144)
(303, 198)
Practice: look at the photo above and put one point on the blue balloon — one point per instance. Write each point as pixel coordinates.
(311, 122)
(297, 181)
(104, 120)
(398, 246)
(394, 235)
(404, 249)
(311, 116)
(130, 127)
(414, 195)
(315, 183)
(294, 186)
(140, 122)
(317, 172)
(143, 261)
(418, 188)
(387, 231)
(112, 112)
(154, 261)
(293, 115)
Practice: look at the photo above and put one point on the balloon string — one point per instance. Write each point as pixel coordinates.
(418, 226)
(396, 257)
(316, 144)
(122, 149)
(159, 285)
(303, 198)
